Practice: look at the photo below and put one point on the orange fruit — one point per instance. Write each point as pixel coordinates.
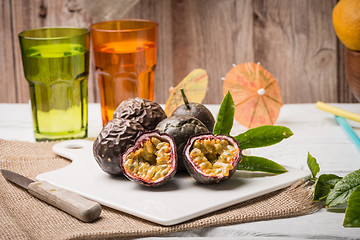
(346, 20)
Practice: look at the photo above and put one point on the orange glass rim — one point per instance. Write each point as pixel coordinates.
(150, 25)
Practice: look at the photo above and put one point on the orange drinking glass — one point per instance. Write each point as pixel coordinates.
(125, 55)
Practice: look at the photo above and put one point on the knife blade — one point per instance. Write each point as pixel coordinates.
(70, 202)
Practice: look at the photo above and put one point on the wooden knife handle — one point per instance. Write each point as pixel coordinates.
(70, 202)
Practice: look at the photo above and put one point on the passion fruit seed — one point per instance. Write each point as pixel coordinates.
(213, 156)
(151, 161)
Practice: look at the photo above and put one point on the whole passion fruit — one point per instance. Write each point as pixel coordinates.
(113, 140)
(181, 128)
(146, 112)
(196, 110)
(152, 161)
(211, 158)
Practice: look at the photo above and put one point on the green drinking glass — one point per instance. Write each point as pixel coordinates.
(56, 66)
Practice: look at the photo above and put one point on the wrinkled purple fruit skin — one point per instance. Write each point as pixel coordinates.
(181, 128)
(113, 140)
(196, 173)
(198, 111)
(145, 137)
(146, 112)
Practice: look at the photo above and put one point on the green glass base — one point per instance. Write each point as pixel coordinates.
(42, 137)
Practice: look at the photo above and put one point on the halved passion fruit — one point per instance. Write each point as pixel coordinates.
(181, 128)
(211, 158)
(152, 161)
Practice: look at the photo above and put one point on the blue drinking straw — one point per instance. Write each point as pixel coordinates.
(348, 129)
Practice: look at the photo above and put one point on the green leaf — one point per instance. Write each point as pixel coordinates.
(313, 165)
(352, 213)
(323, 185)
(252, 163)
(343, 188)
(263, 136)
(225, 118)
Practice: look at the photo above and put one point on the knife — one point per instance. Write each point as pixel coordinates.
(70, 202)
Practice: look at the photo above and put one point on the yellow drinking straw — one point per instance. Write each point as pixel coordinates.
(338, 111)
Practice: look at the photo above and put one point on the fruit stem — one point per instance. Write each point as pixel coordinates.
(185, 98)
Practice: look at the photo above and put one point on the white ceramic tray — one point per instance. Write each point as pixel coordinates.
(179, 200)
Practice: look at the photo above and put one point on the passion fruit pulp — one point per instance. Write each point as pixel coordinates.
(181, 128)
(152, 161)
(211, 158)
(113, 140)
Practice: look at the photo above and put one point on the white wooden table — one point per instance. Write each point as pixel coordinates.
(314, 131)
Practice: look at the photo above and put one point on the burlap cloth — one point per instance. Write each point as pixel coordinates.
(22, 216)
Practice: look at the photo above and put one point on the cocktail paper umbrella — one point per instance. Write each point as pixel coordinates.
(256, 94)
(195, 86)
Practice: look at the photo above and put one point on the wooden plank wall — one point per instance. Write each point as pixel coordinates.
(293, 39)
